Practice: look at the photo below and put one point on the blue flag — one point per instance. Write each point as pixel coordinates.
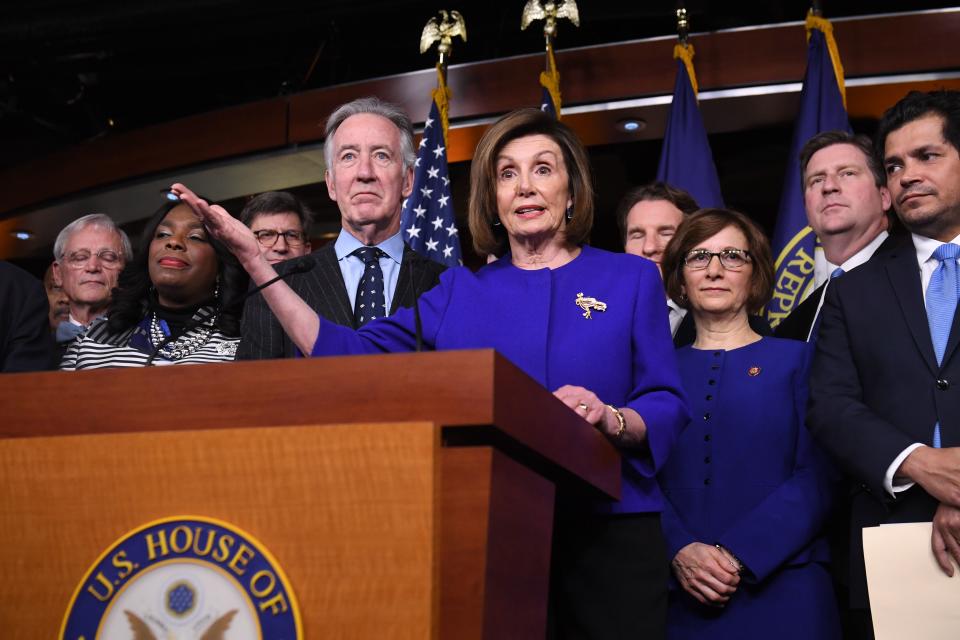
(686, 160)
(821, 109)
(427, 220)
(546, 103)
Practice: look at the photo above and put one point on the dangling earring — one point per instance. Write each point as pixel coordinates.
(216, 289)
(496, 223)
(570, 213)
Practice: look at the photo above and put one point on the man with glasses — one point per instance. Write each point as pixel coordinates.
(281, 222)
(369, 271)
(88, 254)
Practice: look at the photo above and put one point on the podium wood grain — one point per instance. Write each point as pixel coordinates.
(436, 523)
(347, 511)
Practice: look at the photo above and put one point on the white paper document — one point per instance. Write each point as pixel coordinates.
(910, 596)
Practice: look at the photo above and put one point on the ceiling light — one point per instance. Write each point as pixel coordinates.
(631, 125)
(21, 234)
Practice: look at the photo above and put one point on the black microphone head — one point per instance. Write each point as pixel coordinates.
(301, 265)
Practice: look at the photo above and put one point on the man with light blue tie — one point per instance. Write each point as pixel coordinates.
(847, 203)
(885, 387)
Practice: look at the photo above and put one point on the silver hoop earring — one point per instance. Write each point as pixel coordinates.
(569, 213)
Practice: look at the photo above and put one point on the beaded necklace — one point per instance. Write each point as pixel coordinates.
(183, 346)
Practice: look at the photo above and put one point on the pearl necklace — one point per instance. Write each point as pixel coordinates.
(183, 346)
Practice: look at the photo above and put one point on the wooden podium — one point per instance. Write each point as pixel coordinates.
(405, 496)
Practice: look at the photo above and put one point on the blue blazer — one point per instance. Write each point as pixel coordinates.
(747, 475)
(623, 354)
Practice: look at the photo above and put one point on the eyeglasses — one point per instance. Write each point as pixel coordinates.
(108, 258)
(268, 237)
(730, 259)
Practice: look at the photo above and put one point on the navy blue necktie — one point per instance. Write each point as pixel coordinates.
(371, 302)
(942, 294)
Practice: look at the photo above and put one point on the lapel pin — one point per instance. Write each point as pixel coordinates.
(589, 304)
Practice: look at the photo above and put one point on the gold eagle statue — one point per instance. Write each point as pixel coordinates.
(549, 11)
(445, 30)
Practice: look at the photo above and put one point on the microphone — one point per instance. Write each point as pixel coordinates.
(303, 264)
(417, 325)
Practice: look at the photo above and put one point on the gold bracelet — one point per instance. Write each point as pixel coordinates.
(621, 422)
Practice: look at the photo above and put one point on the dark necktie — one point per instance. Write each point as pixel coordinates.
(812, 336)
(942, 294)
(370, 303)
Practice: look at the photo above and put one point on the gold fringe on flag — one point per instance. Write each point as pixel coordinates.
(684, 52)
(816, 22)
(441, 95)
(550, 79)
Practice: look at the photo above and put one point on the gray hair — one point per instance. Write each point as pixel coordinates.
(99, 220)
(377, 107)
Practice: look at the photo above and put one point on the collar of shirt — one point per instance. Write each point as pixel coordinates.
(347, 244)
(822, 271)
(925, 248)
(352, 267)
(676, 313)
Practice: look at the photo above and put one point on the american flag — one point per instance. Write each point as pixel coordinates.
(428, 223)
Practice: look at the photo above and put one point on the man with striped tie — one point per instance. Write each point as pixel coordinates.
(885, 386)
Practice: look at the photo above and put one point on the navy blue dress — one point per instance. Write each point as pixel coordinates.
(746, 474)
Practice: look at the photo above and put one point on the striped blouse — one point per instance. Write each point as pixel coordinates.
(99, 349)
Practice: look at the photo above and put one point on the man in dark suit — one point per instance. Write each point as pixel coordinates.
(25, 340)
(369, 155)
(884, 399)
(648, 216)
(846, 201)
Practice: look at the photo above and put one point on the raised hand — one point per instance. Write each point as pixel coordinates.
(234, 235)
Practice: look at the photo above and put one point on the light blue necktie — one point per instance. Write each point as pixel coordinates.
(836, 273)
(942, 294)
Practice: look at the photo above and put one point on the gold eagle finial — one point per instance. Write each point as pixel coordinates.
(550, 12)
(450, 25)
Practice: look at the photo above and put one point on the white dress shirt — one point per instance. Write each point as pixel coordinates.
(927, 265)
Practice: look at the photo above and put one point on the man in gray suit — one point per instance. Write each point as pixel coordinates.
(369, 155)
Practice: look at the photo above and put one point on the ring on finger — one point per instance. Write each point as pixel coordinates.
(583, 406)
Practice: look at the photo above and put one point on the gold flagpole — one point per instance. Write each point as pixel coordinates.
(450, 25)
(550, 12)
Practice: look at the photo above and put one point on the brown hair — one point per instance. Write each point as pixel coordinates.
(828, 139)
(705, 224)
(653, 191)
(483, 214)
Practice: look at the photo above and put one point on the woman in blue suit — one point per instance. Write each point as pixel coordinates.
(587, 324)
(747, 490)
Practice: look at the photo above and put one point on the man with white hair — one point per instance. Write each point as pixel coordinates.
(89, 255)
(369, 155)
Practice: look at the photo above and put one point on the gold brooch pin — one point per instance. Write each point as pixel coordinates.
(587, 304)
(753, 372)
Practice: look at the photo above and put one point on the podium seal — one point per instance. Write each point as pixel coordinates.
(184, 577)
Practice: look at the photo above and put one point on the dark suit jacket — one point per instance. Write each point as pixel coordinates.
(687, 329)
(323, 289)
(797, 325)
(876, 388)
(25, 340)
